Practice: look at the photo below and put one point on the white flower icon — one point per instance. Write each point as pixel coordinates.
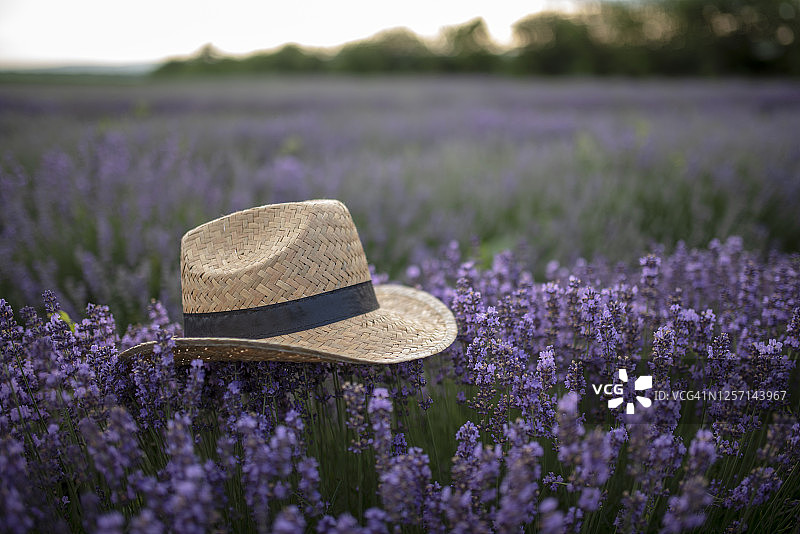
(641, 384)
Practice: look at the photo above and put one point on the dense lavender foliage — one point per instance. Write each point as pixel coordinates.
(489, 436)
(503, 432)
(98, 183)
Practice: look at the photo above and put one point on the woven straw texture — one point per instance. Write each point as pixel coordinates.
(284, 252)
(409, 324)
(270, 254)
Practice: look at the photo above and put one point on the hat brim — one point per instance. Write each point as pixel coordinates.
(410, 324)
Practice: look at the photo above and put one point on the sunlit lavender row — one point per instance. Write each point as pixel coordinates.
(497, 434)
(98, 183)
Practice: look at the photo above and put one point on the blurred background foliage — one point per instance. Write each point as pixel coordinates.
(622, 37)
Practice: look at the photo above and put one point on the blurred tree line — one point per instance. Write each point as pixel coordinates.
(622, 37)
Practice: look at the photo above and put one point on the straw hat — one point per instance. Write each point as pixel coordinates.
(290, 282)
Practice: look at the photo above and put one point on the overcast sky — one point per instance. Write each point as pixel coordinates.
(53, 32)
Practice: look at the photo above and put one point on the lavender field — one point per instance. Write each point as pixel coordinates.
(100, 182)
(575, 228)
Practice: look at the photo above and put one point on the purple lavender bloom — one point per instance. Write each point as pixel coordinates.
(607, 335)
(190, 502)
(403, 486)
(792, 335)
(453, 511)
(158, 320)
(771, 369)
(519, 489)
(16, 511)
(546, 368)
(652, 457)
(649, 283)
(355, 400)
(146, 522)
(344, 524)
(573, 519)
(552, 520)
(782, 445)
(289, 521)
(110, 523)
(155, 383)
(399, 444)
(98, 328)
(308, 486)
(552, 296)
(590, 499)
(685, 324)
(754, 489)
(553, 481)
(574, 380)
(666, 453)
(569, 429)
(702, 452)
(477, 474)
(193, 389)
(664, 355)
(686, 511)
(380, 411)
(375, 521)
(720, 360)
(467, 437)
(114, 450)
(631, 515)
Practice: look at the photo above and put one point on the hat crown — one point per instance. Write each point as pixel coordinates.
(270, 254)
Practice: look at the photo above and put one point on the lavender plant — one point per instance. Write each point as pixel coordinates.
(503, 432)
(98, 183)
